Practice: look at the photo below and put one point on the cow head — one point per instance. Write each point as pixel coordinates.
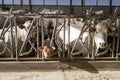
(100, 37)
(47, 51)
(101, 34)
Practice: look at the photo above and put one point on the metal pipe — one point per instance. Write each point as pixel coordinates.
(38, 25)
(16, 38)
(11, 26)
(118, 39)
(69, 55)
(42, 31)
(55, 28)
(30, 6)
(2, 5)
(12, 3)
(111, 7)
(21, 3)
(64, 24)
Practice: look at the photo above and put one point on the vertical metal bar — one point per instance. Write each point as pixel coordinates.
(2, 5)
(16, 39)
(113, 46)
(42, 28)
(43, 2)
(55, 28)
(118, 39)
(57, 3)
(38, 24)
(11, 25)
(96, 2)
(82, 4)
(69, 55)
(111, 8)
(30, 6)
(21, 3)
(64, 24)
(71, 8)
(12, 3)
(90, 41)
(93, 43)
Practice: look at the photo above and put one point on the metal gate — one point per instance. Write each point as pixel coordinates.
(36, 33)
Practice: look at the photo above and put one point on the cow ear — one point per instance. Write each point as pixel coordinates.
(21, 26)
(92, 29)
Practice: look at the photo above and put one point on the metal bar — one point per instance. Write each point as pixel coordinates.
(12, 3)
(11, 26)
(16, 39)
(42, 31)
(118, 39)
(38, 25)
(30, 6)
(69, 55)
(2, 5)
(64, 24)
(111, 7)
(21, 3)
(55, 28)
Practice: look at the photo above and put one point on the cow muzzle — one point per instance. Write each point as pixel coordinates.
(103, 45)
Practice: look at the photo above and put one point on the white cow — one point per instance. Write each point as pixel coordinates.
(99, 36)
(22, 31)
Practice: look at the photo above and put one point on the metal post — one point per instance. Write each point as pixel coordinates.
(69, 55)
(64, 38)
(118, 39)
(82, 4)
(42, 31)
(2, 5)
(21, 3)
(11, 26)
(96, 2)
(12, 3)
(111, 8)
(71, 11)
(38, 25)
(16, 39)
(30, 6)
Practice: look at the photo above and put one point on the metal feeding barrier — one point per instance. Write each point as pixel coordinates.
(37, 31)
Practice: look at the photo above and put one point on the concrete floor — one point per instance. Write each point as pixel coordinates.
(60, 70)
